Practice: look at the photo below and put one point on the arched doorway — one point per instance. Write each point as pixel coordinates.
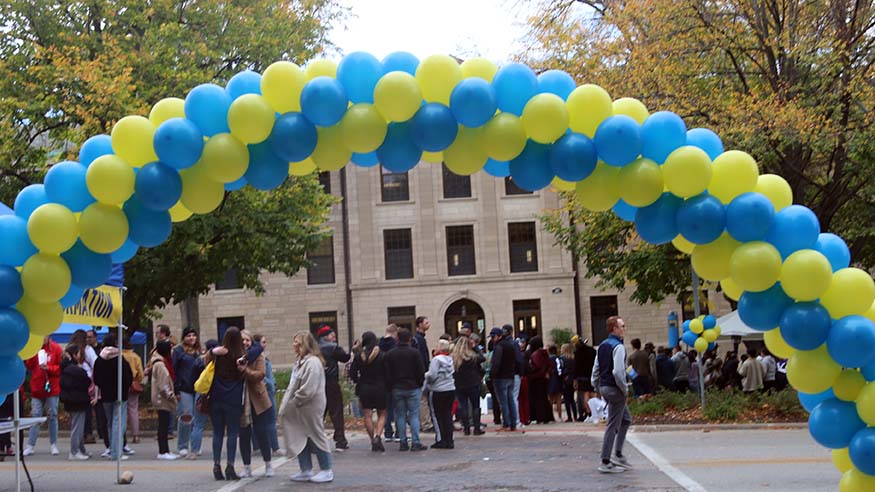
(464, 311)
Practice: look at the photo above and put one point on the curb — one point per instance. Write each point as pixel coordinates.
(717, 427)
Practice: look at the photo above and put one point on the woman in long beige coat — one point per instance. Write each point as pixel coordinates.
(163, 397)
(303, 410)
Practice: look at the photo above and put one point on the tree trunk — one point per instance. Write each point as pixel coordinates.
(190, 311)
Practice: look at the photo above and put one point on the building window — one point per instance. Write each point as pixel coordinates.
(323, 318)
(229, 281)
(222, 325)
(601, 308)
(322, 258)
(394, 187)
(510, 188)
(527, 317)
(456, 186)
(523, 247)
(325, 181)
(460, 250)
(399, 253)
(688, 311)
(402, 317)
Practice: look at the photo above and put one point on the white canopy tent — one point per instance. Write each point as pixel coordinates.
(732, 325)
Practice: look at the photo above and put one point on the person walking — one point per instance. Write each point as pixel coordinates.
(584, 358)
(163, 377)
(45, 389)
(226, 401)
(334, 355)
(76, 395)
(303, 410)
(256, 406)
(467, 364)
(136, 364)
(609, 375)
(368, 372)
(539, 378)
(405, 376)
(502, 369)
(441, 387)
(106, 378)
(566, 373)
(270, 384)
(185, 358)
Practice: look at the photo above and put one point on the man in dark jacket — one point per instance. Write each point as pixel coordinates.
(406, 374)
(333, 355)
(609, 374)
(584, 358)
(387, 343)
(502, 370)
(421, 344)
(665, 369)
(106, 380)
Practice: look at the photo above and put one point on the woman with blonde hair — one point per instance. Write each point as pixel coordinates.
(468, 375)
(303, 410)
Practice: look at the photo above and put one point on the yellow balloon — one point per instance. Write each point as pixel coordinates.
(709, 335)
(854, 480)
(330, 153)
(776, 189)
(701, 345)
(731, 289)
(866, 403)
(696, 326)
(251, 118)
(848, 384)
(200, 194)
(687, 171)
(281, 84)
(504, 137)
(812, 371)
(397, 96)
(466, 155)
(601, 189)
(52, 228)
(841, 459)
(735, 172)
(851, 291)
(562, 185)
(103, 228)
(641, 183)
(632, 108)
(224, 158)
(362, 129)
(437, 76)
(545, 118)
(132, 140)
(870, 313)
(321, 68)
(479, 67)
(110, 179)
(45, 277)
(34, 344)
(167, 108)
(302, 168)
(178, 213)
(806, 275)
(588, 106)
(776, 344)
(433, 157)
(755, 266)
(682, 245)
(711, 261)
(43, 318)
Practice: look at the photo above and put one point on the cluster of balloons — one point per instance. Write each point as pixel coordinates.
(701, 333)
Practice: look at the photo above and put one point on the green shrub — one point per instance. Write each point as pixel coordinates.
(560, 336)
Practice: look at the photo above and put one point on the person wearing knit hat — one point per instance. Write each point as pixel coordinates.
(324, 331)
(333, 355)
(186, 357)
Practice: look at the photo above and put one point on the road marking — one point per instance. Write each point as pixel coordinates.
(762, 461)
(257, 474)
(664, 466)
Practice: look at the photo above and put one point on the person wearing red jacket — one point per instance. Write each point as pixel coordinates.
(45, 387)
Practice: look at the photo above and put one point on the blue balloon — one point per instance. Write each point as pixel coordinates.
(398, 152)
(868, 371)
(706, 140)
(87, 268)
(618, 140)
(851, 341)
(657, 222)
(178, 143)
(369, 159)
(14, 332)
(473, 102)
(359, 73)
(835, 249)
(433, 128)
(400, 61)
(805, 325)
(30, 198)
(862, 450)
(662, 133)
(324, 101)
(763, 310)
(810, 401)
(125, 252)
(72, 297)
(794, 228)
(236, 185)
(709, 322)
(701, 219)
(686, 325)
(624, 211)
(573, 157)
(689, 338)
(15, 248)
(158, 186)
(531, 169)
(293, 137)
(65, 184)
(749, 217)
(207, 106)
(12, 369)
(95, 147)
(498, 169)
(148, 228)
(266, 170)
(514, 85)
(245, 82)
(556, 82)
(833, 423)
(10, 286)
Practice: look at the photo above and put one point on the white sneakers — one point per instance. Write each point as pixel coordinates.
(128, 450)
(182, 453)
(302, 476)
(323, 476)
(247, 471)
(268, 470)
(55, 451)
(106, 454)
(167, 456)
(77, 457)
(28, 450)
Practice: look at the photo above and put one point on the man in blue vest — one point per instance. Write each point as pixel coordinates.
(609, 376)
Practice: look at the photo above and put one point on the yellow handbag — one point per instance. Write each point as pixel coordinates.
(205, 381)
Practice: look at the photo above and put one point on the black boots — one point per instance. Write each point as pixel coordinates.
(217, 472)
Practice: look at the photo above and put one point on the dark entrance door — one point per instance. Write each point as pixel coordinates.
(464, 311)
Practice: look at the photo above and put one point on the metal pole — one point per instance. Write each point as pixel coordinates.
(118, 401)
(16, 426)
(697, 312)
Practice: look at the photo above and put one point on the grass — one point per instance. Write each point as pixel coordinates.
(722, 406)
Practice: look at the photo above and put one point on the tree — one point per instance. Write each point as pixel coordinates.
(790, 82)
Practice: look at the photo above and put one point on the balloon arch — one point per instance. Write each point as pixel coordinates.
(791, 281)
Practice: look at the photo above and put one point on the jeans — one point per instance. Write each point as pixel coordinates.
(468, 416)
(257, 430)
(305, 460)
(496, 408)
(197, 430)
(49, 407)
(225, 416)
(517, 381)
(388, 432)
(619, 420)
(504, 389)
(407, 410)
(185, 415)
(163, 430)
(77, 432)
(114, 417)
(271, 426)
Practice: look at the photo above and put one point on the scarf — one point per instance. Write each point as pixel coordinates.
(169, 365)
